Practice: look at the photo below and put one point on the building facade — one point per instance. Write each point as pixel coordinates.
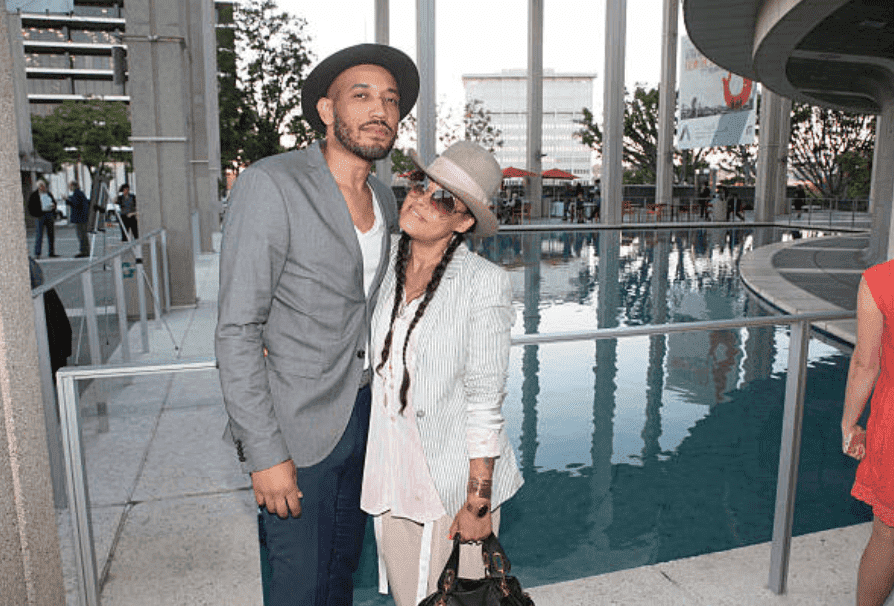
(75, 50)
(565, 95)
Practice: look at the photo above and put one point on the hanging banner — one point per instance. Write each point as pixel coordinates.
(716, 107)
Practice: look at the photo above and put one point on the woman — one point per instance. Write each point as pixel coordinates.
(872, 368)
(438, 462)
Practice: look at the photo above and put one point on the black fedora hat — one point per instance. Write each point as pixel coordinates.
(397, 62)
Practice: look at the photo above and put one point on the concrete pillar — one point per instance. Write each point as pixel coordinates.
(613, 111)
(782, 147)
(664, 179)
(880, 193)
(534, 145)
(30, 561)
(205, 131)
(158, 60)
(426, 108)
(383, 166)
(773, 148)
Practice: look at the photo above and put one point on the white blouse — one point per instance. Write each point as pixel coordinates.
(396, 476)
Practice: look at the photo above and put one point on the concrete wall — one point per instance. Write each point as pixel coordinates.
(30, 563)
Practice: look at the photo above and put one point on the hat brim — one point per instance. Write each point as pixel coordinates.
(486, 221)
(395, 61)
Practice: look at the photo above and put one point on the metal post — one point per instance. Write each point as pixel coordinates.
(90, 317)
(141, 292)
(667, 101)
(426, 110)
(156, 302)
(164, 269)
(78, 495)
(534, 140)
(51, 414)
(789, 453)
(383, 166)
(613, 111)
(121, 308)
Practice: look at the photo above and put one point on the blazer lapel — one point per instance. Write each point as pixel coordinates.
(333, 204)
(441, 298)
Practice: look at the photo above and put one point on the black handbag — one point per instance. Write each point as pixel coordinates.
(497, 588)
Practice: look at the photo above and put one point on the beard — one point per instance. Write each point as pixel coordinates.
(370, 153)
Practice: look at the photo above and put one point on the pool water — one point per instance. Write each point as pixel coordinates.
(649, 449)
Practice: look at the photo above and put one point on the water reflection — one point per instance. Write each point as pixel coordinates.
(659, 447)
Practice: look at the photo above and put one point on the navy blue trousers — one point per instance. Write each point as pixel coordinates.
(310, 560)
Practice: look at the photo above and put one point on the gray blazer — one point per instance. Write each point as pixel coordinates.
(291, 281)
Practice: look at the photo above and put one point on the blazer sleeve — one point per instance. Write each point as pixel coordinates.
(490, 321)
(253, 252)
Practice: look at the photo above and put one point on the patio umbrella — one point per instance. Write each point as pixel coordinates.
(511, 171)
(558, 173)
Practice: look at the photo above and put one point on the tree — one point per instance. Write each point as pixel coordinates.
(832, 150)
(641, 140)
(740, 161)
(83, 131)
(476, 125)
(264, 80)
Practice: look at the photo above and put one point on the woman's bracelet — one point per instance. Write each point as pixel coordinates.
(480, 487)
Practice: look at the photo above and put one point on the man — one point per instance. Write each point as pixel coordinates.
(80, 213)
(305, 247)
(42, 206)
(127, 207)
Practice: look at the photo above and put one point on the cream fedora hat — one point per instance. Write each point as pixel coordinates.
(471, 173)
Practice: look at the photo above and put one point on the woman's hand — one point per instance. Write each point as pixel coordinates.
(469, 526)
(853, 441)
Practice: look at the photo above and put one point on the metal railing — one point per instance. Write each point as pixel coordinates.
(156, 239)
(827, 211)
(790, 441)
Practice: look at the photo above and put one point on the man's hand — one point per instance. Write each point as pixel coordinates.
(276, 488)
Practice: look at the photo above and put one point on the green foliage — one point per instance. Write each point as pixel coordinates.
(832, 150)
(261, 83)
(475, 125)
(641, 140)
(85, 132)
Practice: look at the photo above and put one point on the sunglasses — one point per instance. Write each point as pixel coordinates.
(441, 199)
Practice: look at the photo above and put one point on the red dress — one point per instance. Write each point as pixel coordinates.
(875, 475)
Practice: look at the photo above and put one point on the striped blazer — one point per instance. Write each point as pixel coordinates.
(459, 380)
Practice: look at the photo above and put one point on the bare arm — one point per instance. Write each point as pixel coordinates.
(863, 371)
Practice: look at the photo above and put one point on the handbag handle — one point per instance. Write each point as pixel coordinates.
(496, 562)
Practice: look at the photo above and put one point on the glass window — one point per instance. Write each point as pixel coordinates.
(48, 87)
(47, 60)
(41, 34)
(92, 62)
(96, 87)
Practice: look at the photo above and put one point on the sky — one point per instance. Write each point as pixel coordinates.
(482, 36)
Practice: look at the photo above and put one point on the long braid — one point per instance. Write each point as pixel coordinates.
(436, 276)
(400, 275)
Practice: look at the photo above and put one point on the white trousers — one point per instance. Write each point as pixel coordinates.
(399, 542)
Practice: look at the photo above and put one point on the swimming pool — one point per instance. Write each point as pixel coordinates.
(650, 449)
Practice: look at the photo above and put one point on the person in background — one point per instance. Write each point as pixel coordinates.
(438, 461)
(42, 206)
(704, 200)
(800, 199)
(127, 205)
(872, 372)
(305, 247)
(80, 214)
(57, 322)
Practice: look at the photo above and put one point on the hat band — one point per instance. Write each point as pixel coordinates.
(448, 170)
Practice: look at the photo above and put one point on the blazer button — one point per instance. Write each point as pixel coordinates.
(420, 413)
(361, 353)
